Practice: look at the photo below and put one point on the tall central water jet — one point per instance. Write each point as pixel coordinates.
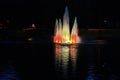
(62, 33)
(66, 30)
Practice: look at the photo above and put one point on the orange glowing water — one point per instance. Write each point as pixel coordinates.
(62, 33)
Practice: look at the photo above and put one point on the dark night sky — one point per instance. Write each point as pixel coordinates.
(82, 6)
(87, 11)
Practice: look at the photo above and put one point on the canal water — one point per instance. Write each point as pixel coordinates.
(92, 60)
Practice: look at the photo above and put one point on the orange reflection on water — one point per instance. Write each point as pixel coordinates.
(65, 56)
(58, 54)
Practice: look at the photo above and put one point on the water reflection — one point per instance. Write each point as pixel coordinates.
(91, 74)
(7, 72)
(65, 59)
(73, 56)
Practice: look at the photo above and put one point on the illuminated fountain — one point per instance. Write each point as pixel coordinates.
(62, 33)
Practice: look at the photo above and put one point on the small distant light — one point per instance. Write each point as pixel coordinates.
(100, 41)
(30, 39)
(105, 21)
(33, 26)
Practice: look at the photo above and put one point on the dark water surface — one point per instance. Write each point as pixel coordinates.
(48, 61)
